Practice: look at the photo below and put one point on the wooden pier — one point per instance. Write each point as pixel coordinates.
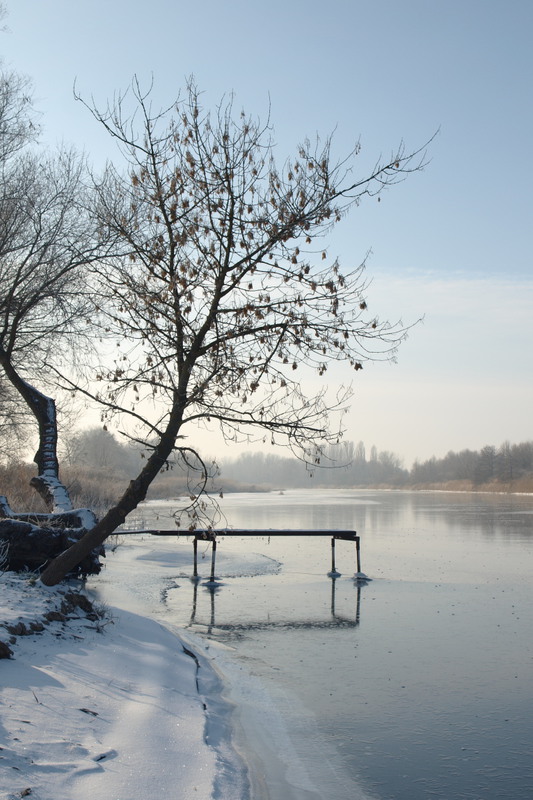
(203, 535)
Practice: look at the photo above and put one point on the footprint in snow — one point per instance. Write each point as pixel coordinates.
(106, 755)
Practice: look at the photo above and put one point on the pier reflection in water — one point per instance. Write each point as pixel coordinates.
(204, 619)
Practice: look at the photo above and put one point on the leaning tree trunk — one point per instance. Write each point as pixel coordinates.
(30, 540)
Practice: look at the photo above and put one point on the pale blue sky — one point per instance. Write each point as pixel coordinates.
(452, 243)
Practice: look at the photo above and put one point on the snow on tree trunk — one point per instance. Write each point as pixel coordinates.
(47, 482)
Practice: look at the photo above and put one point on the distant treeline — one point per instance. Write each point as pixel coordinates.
(348, 465)
(509, 462)
(343, 465)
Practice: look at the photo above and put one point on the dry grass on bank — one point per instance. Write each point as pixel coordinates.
(519, 486)
(89, 488)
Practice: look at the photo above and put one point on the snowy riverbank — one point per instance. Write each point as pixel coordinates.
(124, 706)
(115, 708)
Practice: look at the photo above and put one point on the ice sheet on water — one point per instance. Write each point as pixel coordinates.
(231, 562)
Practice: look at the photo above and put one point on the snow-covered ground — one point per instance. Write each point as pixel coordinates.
(114, 706)
(114, 702)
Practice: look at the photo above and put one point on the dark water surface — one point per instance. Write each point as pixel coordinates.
(422, 679)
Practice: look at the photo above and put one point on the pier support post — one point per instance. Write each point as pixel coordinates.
(213, 557)
(333, 574)
(195, 551)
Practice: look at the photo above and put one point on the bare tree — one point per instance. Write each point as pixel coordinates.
(17, 129)
(224, 295)
(46, 239)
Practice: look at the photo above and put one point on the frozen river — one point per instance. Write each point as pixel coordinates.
(418, 684)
